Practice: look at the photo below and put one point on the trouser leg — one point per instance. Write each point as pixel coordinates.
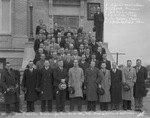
(88, 105)
(28, 106)
(106, 106)
(43, 105)
(102, 106)
(125, 104)
(50, 105)
(8, 108)
(16, 107)
(79, 103)
(141, 102)
(63, 100)
(58, 97)
(72, 102)
(93, 106)
(129, 104)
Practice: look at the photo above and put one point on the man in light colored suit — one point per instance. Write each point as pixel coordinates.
(129, 77)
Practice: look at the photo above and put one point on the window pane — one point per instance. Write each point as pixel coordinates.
(6, 16)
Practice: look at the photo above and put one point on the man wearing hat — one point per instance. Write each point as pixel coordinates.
(76, 79)
(91, 76)
(98, 24)
(129, 77)
(60, 80)
(10, 87)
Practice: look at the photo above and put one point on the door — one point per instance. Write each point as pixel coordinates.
(67, 21)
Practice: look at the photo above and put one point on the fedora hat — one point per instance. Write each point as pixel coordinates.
(62, 86)
(126, 87)
(71, 90)
(100, 91)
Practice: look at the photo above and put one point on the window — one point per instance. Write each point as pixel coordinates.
(5, 16)
(66, 2)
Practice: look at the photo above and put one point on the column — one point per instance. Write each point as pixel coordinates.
(51, 15)
(82, 13)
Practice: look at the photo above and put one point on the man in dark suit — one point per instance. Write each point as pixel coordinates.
(56, 30)
(60, 40)
(29, 85)
(98, 23)
(37, 42)
(140, 87)
(68, 63)
(39, 27)
(93, 45)
(99, 53)
(10, 88)
(45, 85)
(93, 58)
(81, 50)
(116, 86)
(87, 55)
(107, 62)
(60, 76)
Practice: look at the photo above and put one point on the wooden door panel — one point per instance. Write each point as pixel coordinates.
(72, 22)
(61, 21)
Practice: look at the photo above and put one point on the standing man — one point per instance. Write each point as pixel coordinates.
(129, 77)
(107, 62)
(39, 27)
(105, 83)
(98, 24)
(60, 77)
(10, 87)
(76, 79)
(116, 86)
(40, 63)
(29, 84)
(91, 77)
(45, 86)
(139, 87)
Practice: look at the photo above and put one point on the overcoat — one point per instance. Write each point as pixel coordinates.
(45, 83)
(129, 76)
(9, 79)
(29, 82)
(76, 79)
(91, 77)
(105, 81)
(140, 86)
(116, 86)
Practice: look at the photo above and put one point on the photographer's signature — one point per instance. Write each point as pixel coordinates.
(141, 114)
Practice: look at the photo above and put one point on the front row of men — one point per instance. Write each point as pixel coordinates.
(41, 85)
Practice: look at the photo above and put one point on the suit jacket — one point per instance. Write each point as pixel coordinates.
(84, 65)
(98, 19)
(108, 64)
(29, 82)
(60, 74)
(53, 65)
(80, 53)
(88, 58)
(37, 44)
(68, 65)
(56, 32)
(61, 43)
(93, 47)
(38, 29)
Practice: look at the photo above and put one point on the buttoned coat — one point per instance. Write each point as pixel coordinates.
(129, 77)
(105, 81)
(30, 83)
(91, 77)
(116, 86)
(9, 79)
(45, 83)
(140, 86)
(76, 79)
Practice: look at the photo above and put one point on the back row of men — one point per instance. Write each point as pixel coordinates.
(42, 83)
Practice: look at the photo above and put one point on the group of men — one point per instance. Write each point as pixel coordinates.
(71, 65)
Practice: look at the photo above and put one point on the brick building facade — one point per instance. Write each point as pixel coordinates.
(15, 21)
